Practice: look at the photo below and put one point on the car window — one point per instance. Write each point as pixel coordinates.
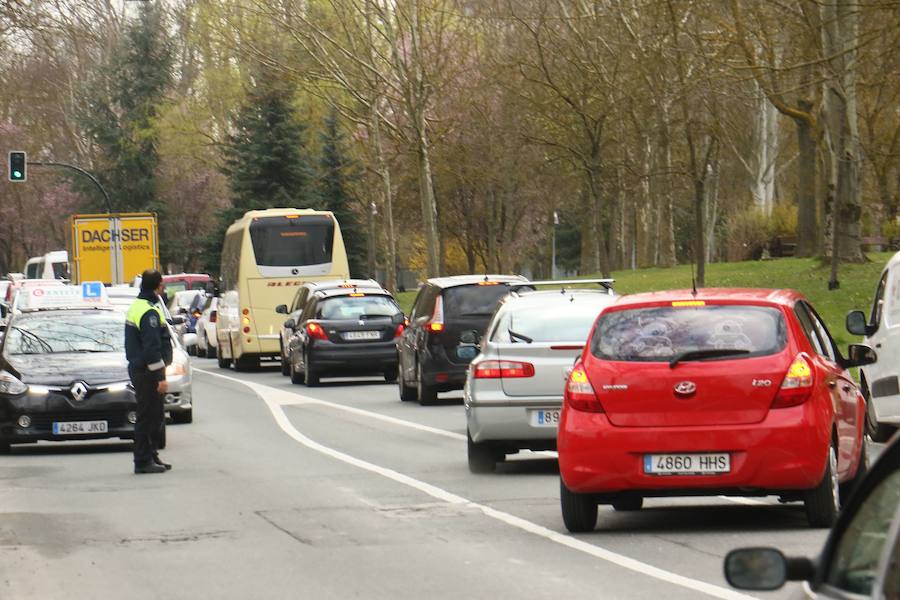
(854, 563)
(350, 307)
(66, 332)
(546, 324)
(473, 300)
(892, 298)
(424, 304)
(878, 302)
(661, 333)
(828, 347)
(809, 328)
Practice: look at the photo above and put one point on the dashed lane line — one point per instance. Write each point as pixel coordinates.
(271, 396)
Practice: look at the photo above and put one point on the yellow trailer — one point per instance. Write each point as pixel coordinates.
(113, 248)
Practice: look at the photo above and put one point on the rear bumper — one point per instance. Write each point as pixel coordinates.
(440, 372)
(786, 451)
(353, 358)
(491, 415)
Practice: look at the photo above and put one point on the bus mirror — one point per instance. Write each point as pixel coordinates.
(281, 309)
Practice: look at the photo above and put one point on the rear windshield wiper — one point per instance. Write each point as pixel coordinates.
(707, 353)
(361, 317)
(515, 335)
(475, 314)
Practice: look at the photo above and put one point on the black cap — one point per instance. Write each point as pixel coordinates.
(150, 280)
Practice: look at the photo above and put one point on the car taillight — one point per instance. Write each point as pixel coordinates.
(797, 385)
(399, 331)
(436, 323)
(316, 331)
(503, 369)
(213, 316)
(580, 394)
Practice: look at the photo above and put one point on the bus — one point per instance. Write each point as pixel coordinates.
(266, 255)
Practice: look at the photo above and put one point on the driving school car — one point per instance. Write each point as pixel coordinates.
(63, 373)
(718, 392)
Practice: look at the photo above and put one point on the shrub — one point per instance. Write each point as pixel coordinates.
(747, 233)
(783, 221)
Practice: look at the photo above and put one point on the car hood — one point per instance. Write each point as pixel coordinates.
(62, 369)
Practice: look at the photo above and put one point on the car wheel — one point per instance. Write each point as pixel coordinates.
(863, 468)
(579, 511)
(201, 350)
(427, 394)
(210, 351)
(285, 367)
(296, 377)
(628, 503)
(5, 448)
(390, 375)
(407, 393)
(823, 502)
(310, 374)
(162, 436)
(183, 416)
(482, 456)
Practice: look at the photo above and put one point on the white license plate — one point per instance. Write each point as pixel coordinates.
(80, 427)
(362, 335)
(687, 464)
(544, 418)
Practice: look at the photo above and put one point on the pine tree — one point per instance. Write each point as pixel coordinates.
(336, 172)
(265, 160)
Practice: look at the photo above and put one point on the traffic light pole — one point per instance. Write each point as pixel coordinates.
(48, 163)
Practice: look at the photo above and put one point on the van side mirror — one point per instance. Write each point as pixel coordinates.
(856, 324)
(859, 355)
(281, 309)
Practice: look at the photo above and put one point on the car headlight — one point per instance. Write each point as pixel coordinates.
(119, 387)
(11, 386)
(175, 370)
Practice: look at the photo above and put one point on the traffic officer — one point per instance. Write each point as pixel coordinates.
(148, 348)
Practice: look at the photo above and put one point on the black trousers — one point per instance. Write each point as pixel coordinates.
(150, 415)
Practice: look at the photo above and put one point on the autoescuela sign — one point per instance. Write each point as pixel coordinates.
(112, 248)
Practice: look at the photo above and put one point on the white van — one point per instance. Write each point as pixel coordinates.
(880, 381)
(53, 265)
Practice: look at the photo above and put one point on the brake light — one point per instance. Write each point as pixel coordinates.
(797, 385)
(316, 331)
(213, 316)
(503, 369)
(436, 324)
(580, 394)
(400, 328)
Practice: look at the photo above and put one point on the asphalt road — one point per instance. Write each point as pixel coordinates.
(342, 491)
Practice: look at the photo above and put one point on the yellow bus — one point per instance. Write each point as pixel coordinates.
(266, 255)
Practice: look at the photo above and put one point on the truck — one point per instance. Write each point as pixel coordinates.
(112, 248)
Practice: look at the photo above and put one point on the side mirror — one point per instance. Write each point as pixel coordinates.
(860, 355)
(290, 324)
(281, 309)
(178, 320)
(765, 569)
(856, 324)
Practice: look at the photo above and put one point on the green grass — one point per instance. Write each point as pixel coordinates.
(808, 276)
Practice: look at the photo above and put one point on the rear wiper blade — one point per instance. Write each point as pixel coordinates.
(520, 336)
(707, 353)
(475, 314)
(361, 317)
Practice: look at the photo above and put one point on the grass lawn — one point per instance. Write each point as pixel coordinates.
(806, 275)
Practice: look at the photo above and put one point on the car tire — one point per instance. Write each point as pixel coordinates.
(628, 503)
(285, 367)
(482, 456)
(407, 393)
(310, 374)
(192, 350)
(823, 501)
(427, 394)
(201, 351)
(863, 468)
(210, 351)
(183, 416)
(5, 448)
(224, 363)
(579, 511)
(296, 377)
(162, 436)
(390, 375)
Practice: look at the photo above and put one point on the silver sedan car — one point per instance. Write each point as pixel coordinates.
(514, 388)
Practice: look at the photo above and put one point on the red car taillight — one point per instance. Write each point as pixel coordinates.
(316, 331)
(400, 328)
(797, 385)
(580, 394)
(503, 369)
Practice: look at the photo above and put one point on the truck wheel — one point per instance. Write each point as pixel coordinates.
(224, 363)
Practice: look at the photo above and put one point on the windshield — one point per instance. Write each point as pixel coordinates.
(60, 270)
(175, 287)
(292, 242)
(349, 307)
(661, 333)
(66, 332)
(473, 300)
(547, 323)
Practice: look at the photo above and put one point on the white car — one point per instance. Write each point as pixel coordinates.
(207, 342)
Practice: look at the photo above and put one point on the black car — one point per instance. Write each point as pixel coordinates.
(432, 357)
(345, 331)
(63, 376)
(304, 293)
(861, 557)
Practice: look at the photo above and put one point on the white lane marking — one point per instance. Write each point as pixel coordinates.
(435, 492)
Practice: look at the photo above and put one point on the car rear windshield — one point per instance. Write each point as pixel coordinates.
(546, 324)
(473, 300)
(356, 307)
(292, 242)
(662, 333)
(66, 332)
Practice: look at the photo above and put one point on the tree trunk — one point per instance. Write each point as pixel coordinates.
(429, 205)
(766, 151)
(807, 218)
(384, 175)
(666, 223)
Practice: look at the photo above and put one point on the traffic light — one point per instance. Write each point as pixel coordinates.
(17, 162)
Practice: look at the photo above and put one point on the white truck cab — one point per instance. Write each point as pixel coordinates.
(880, 381)
(53, 265)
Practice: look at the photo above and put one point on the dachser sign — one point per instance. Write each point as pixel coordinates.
(107, 236)
(112, 248)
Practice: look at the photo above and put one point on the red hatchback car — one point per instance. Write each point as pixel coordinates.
(720, 392)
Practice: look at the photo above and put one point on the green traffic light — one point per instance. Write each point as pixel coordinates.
(17, 174)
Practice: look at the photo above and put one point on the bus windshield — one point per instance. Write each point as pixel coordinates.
(295, 241)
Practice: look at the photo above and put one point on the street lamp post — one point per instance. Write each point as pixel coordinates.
(553, 250)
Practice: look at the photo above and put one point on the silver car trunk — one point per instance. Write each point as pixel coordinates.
(551, 360)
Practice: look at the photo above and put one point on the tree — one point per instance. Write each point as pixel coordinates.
(335, 168)
(265, 159)
(120, 108)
